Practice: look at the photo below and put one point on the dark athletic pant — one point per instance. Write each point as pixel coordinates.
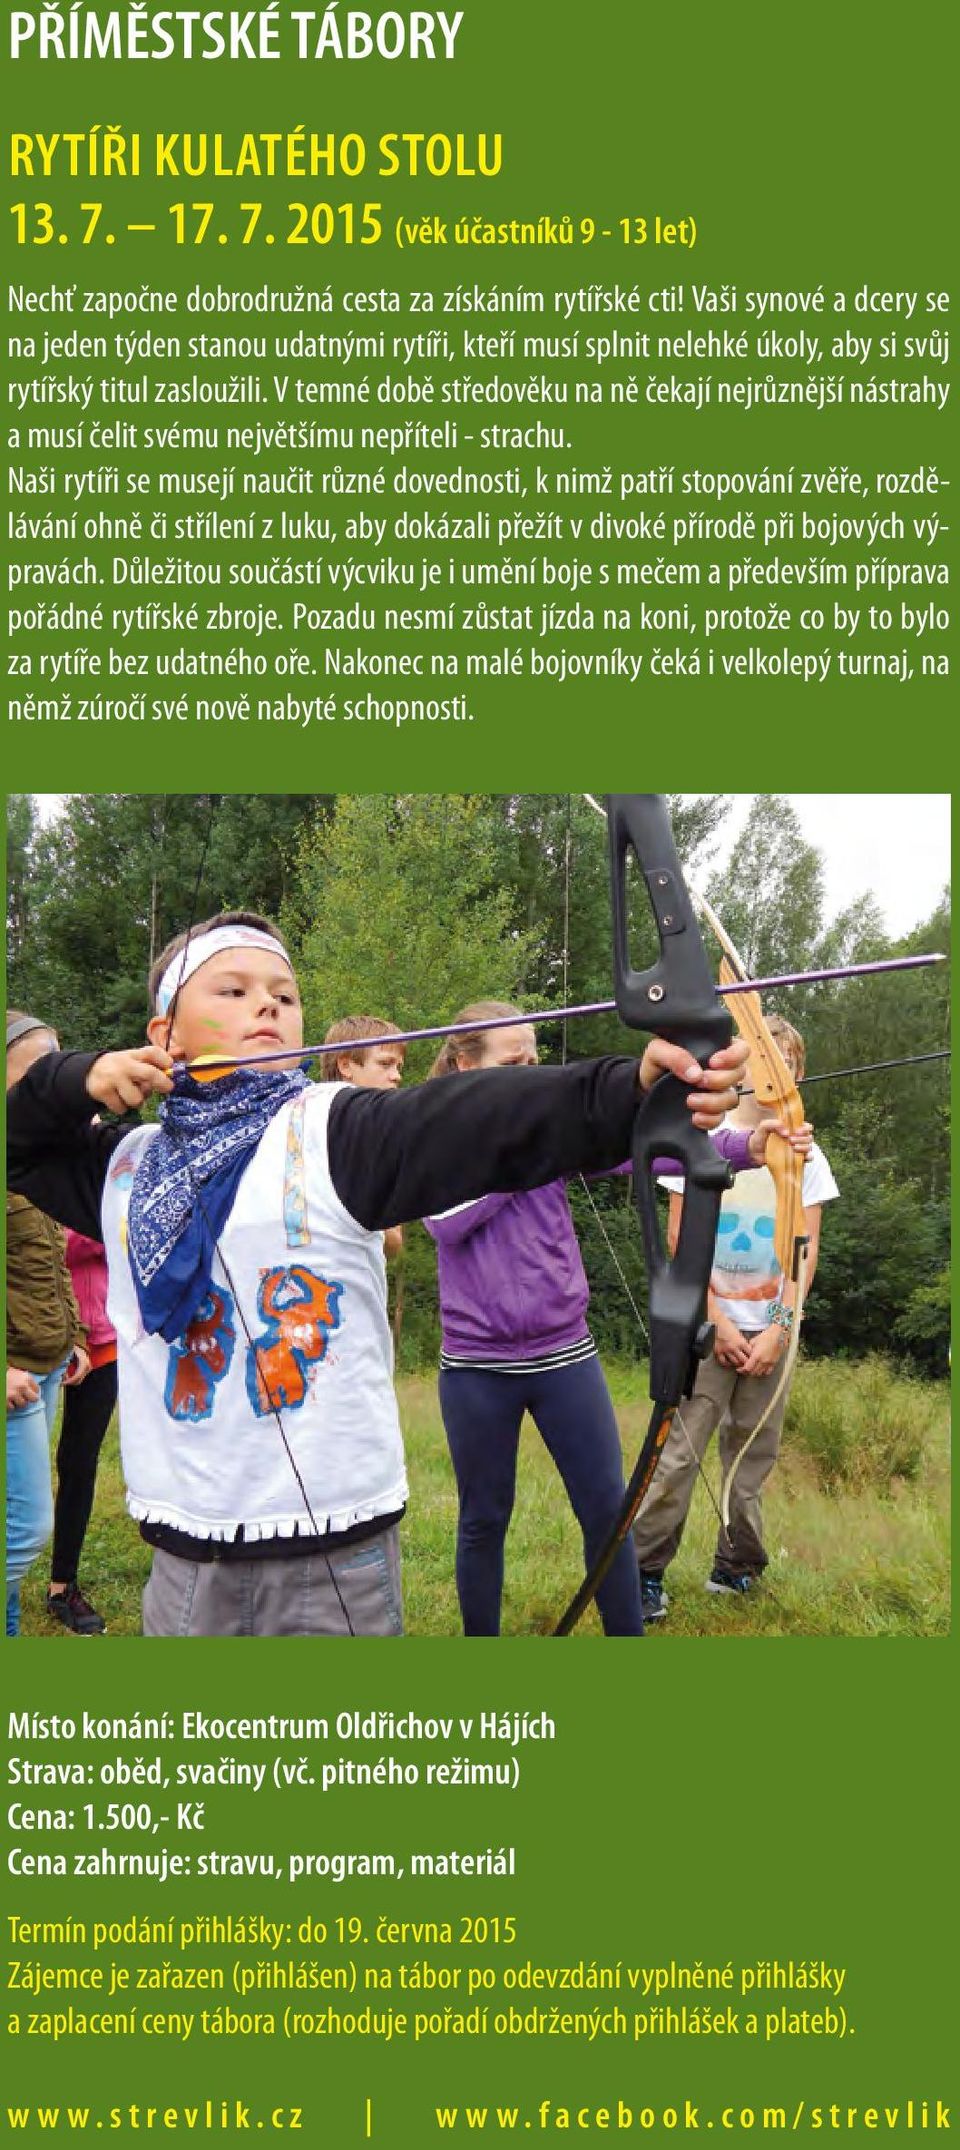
(572, 1412)
(87, 1410)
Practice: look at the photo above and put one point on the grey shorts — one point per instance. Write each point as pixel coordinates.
(352, 1590)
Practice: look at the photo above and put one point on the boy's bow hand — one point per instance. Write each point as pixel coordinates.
(121, 1081)
(799, 1138)
(713, 1091)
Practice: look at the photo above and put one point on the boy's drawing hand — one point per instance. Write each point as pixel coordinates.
(121, 1081)
(21, 1388)
(799, 1138)
(715, 1091)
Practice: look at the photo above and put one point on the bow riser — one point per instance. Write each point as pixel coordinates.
(676, 998)
(680, 1335)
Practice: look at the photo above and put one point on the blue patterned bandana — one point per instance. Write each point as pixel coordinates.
(186, 1183)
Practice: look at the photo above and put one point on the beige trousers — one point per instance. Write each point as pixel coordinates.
(734, 1402)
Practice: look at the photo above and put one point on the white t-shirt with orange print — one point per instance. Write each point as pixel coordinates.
(746, 1275)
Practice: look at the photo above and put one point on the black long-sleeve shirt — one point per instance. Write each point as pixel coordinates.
(394, 1155)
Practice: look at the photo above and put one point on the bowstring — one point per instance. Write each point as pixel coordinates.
(630, 1296)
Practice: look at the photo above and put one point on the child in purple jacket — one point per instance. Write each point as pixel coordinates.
(513, 1299)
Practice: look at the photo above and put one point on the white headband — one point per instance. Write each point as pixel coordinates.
(199, 951)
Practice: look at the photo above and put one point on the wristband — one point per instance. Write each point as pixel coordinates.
(780, 1316)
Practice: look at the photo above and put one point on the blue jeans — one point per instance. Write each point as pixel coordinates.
(29, 1493)
(572, 1411)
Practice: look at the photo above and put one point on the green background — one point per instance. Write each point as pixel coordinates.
(701, 1802)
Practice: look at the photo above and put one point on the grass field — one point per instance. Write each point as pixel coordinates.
(857, 1518)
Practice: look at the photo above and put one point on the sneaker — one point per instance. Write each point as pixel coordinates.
(726, 1585)
(74, 1611)
(653, 1597)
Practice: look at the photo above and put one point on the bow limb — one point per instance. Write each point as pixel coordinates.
(676, 998)
(775, 1088)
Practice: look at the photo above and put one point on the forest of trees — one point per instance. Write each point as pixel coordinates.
(410, 906)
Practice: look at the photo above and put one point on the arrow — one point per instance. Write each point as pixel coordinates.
(207, 1066)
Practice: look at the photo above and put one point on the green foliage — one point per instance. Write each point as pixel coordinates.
(900, 1120)
(413, 1302)
(862, 1425)
(94, 895)
(880, 1242)
(924, 1325)
(771, 896)
(21, 828)
(399, 911)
